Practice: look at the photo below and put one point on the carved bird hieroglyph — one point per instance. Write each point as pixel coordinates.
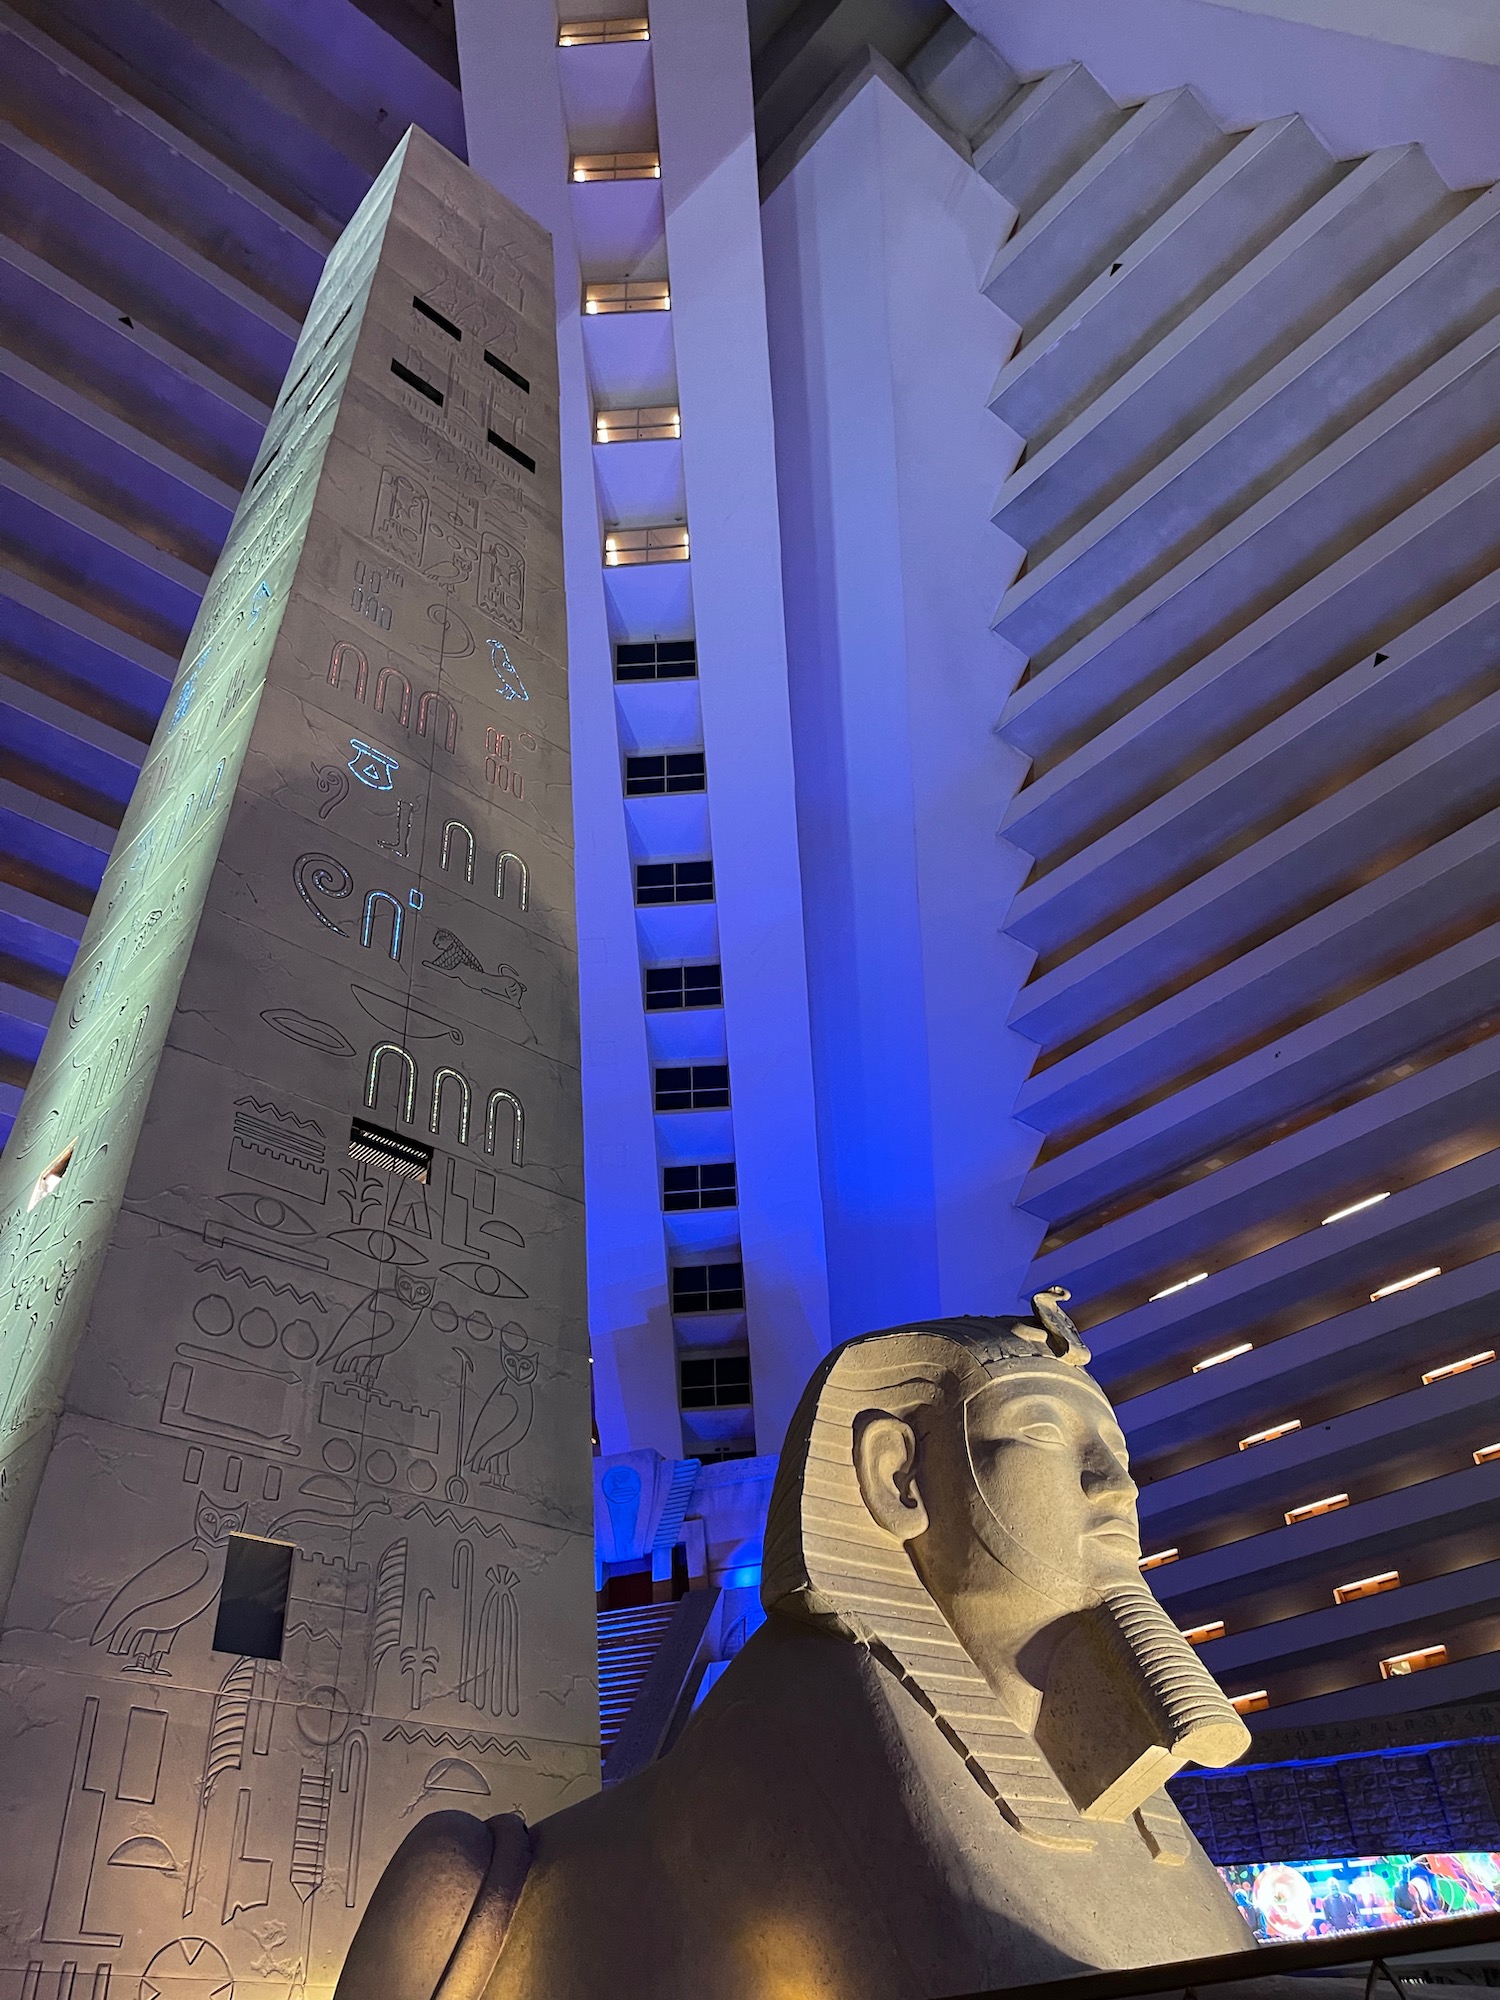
(145, 1615)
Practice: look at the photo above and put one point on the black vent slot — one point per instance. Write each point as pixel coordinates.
(512, 451)
(252, 1603)
(415, 382)
(389, 1152)
(438, 319)
(508, 372)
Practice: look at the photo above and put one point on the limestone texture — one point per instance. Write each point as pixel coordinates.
(342, 892)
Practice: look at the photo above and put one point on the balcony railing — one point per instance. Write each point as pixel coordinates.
(616, 167)
(631, 426)
(589, 34)
(625, 547)
(634, 295)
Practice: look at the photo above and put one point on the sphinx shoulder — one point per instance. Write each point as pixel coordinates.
(437, 1922)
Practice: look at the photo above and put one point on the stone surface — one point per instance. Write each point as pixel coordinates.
(343, 890)
(897, 1786)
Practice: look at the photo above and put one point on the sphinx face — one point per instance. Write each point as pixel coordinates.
(1051, 1473)
(1029, 1518)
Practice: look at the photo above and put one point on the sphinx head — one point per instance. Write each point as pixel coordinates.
(972, 1467)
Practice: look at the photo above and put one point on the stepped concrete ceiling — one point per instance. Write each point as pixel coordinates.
(1256, 637)
(171, 181)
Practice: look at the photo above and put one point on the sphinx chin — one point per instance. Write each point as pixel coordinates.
(852, 1810)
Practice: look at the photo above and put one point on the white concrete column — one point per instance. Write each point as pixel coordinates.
(884, 352)
(706, 128)
(517, 138)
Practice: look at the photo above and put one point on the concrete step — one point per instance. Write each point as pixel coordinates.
(211, 77)
(1359, 1538)
(1322, 1061)
(82, 555)
(65, 330)
(109, 138)
(1043, 136)
(146, 274)
(1363, 1631)
(1161, 148)
(1379, 211)
(967, 83)
(1270, 989)
(1376, 1342)
(91, 669)
(1418, 794)
(1256, 1223)
(1444, 661)
(1229, 214)
(91, 455)
(1100, 757)
(1385, 1445)
(1120, 641)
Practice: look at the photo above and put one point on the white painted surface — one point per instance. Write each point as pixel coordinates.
(518, 141)
(883, 353)
(710, 185)
(1358, 92)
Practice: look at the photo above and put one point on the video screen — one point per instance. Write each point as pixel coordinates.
(1282, 1900)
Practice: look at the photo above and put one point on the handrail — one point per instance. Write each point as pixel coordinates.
(1261, 1961)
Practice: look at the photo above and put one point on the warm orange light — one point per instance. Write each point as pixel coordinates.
(1156, 1561)
(1309, 1511)
(1199, 1635)
(1413, 1663)
(1366, 1586)
(1405, 1284)
(1266, 1437)
(1229, 1354)
(1248, 1704)
(1458, 1367)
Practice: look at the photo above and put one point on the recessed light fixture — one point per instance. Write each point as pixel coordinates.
(1405, 1284)
(1458, 1367)
(1354, 1208)
(1229, 1354)
(1413, 1663)
(1311, 1509)
(1276, 1431)
(1486, 1453)
(1181, 1286)
(1156, 1561)
(1247, 1704)
(1366, 1586)
(1199, 1635)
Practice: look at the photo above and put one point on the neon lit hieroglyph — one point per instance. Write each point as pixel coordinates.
(292, 1224)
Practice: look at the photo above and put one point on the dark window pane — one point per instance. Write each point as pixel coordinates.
(674, 1089)
(702, 986)
(685, 771)
(252, 1602)
(645, 776)
(664, 660)
(664, 987)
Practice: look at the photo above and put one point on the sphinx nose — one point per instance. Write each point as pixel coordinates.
(1105, 1476)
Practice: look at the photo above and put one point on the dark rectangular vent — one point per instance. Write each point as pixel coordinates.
(389, 1152)
(415, 382)
(512, 451)
(509, 373)
(252, 1602)
(438, 319)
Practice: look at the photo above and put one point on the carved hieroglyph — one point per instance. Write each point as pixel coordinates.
(343, 890)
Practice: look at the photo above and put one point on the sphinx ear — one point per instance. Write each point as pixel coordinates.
(885, 1464)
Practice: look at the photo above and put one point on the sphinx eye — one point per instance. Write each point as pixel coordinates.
(1043, 1433)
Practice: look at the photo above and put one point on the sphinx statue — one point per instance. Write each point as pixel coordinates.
(938, 1765)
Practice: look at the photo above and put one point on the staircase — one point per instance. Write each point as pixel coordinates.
(1255, 653)
(628, 1642)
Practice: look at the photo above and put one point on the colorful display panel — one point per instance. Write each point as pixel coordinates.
(1282, 1900)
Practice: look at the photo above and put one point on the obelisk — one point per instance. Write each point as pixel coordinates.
(295, 1482)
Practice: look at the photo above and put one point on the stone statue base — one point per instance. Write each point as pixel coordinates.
(814, 1832)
